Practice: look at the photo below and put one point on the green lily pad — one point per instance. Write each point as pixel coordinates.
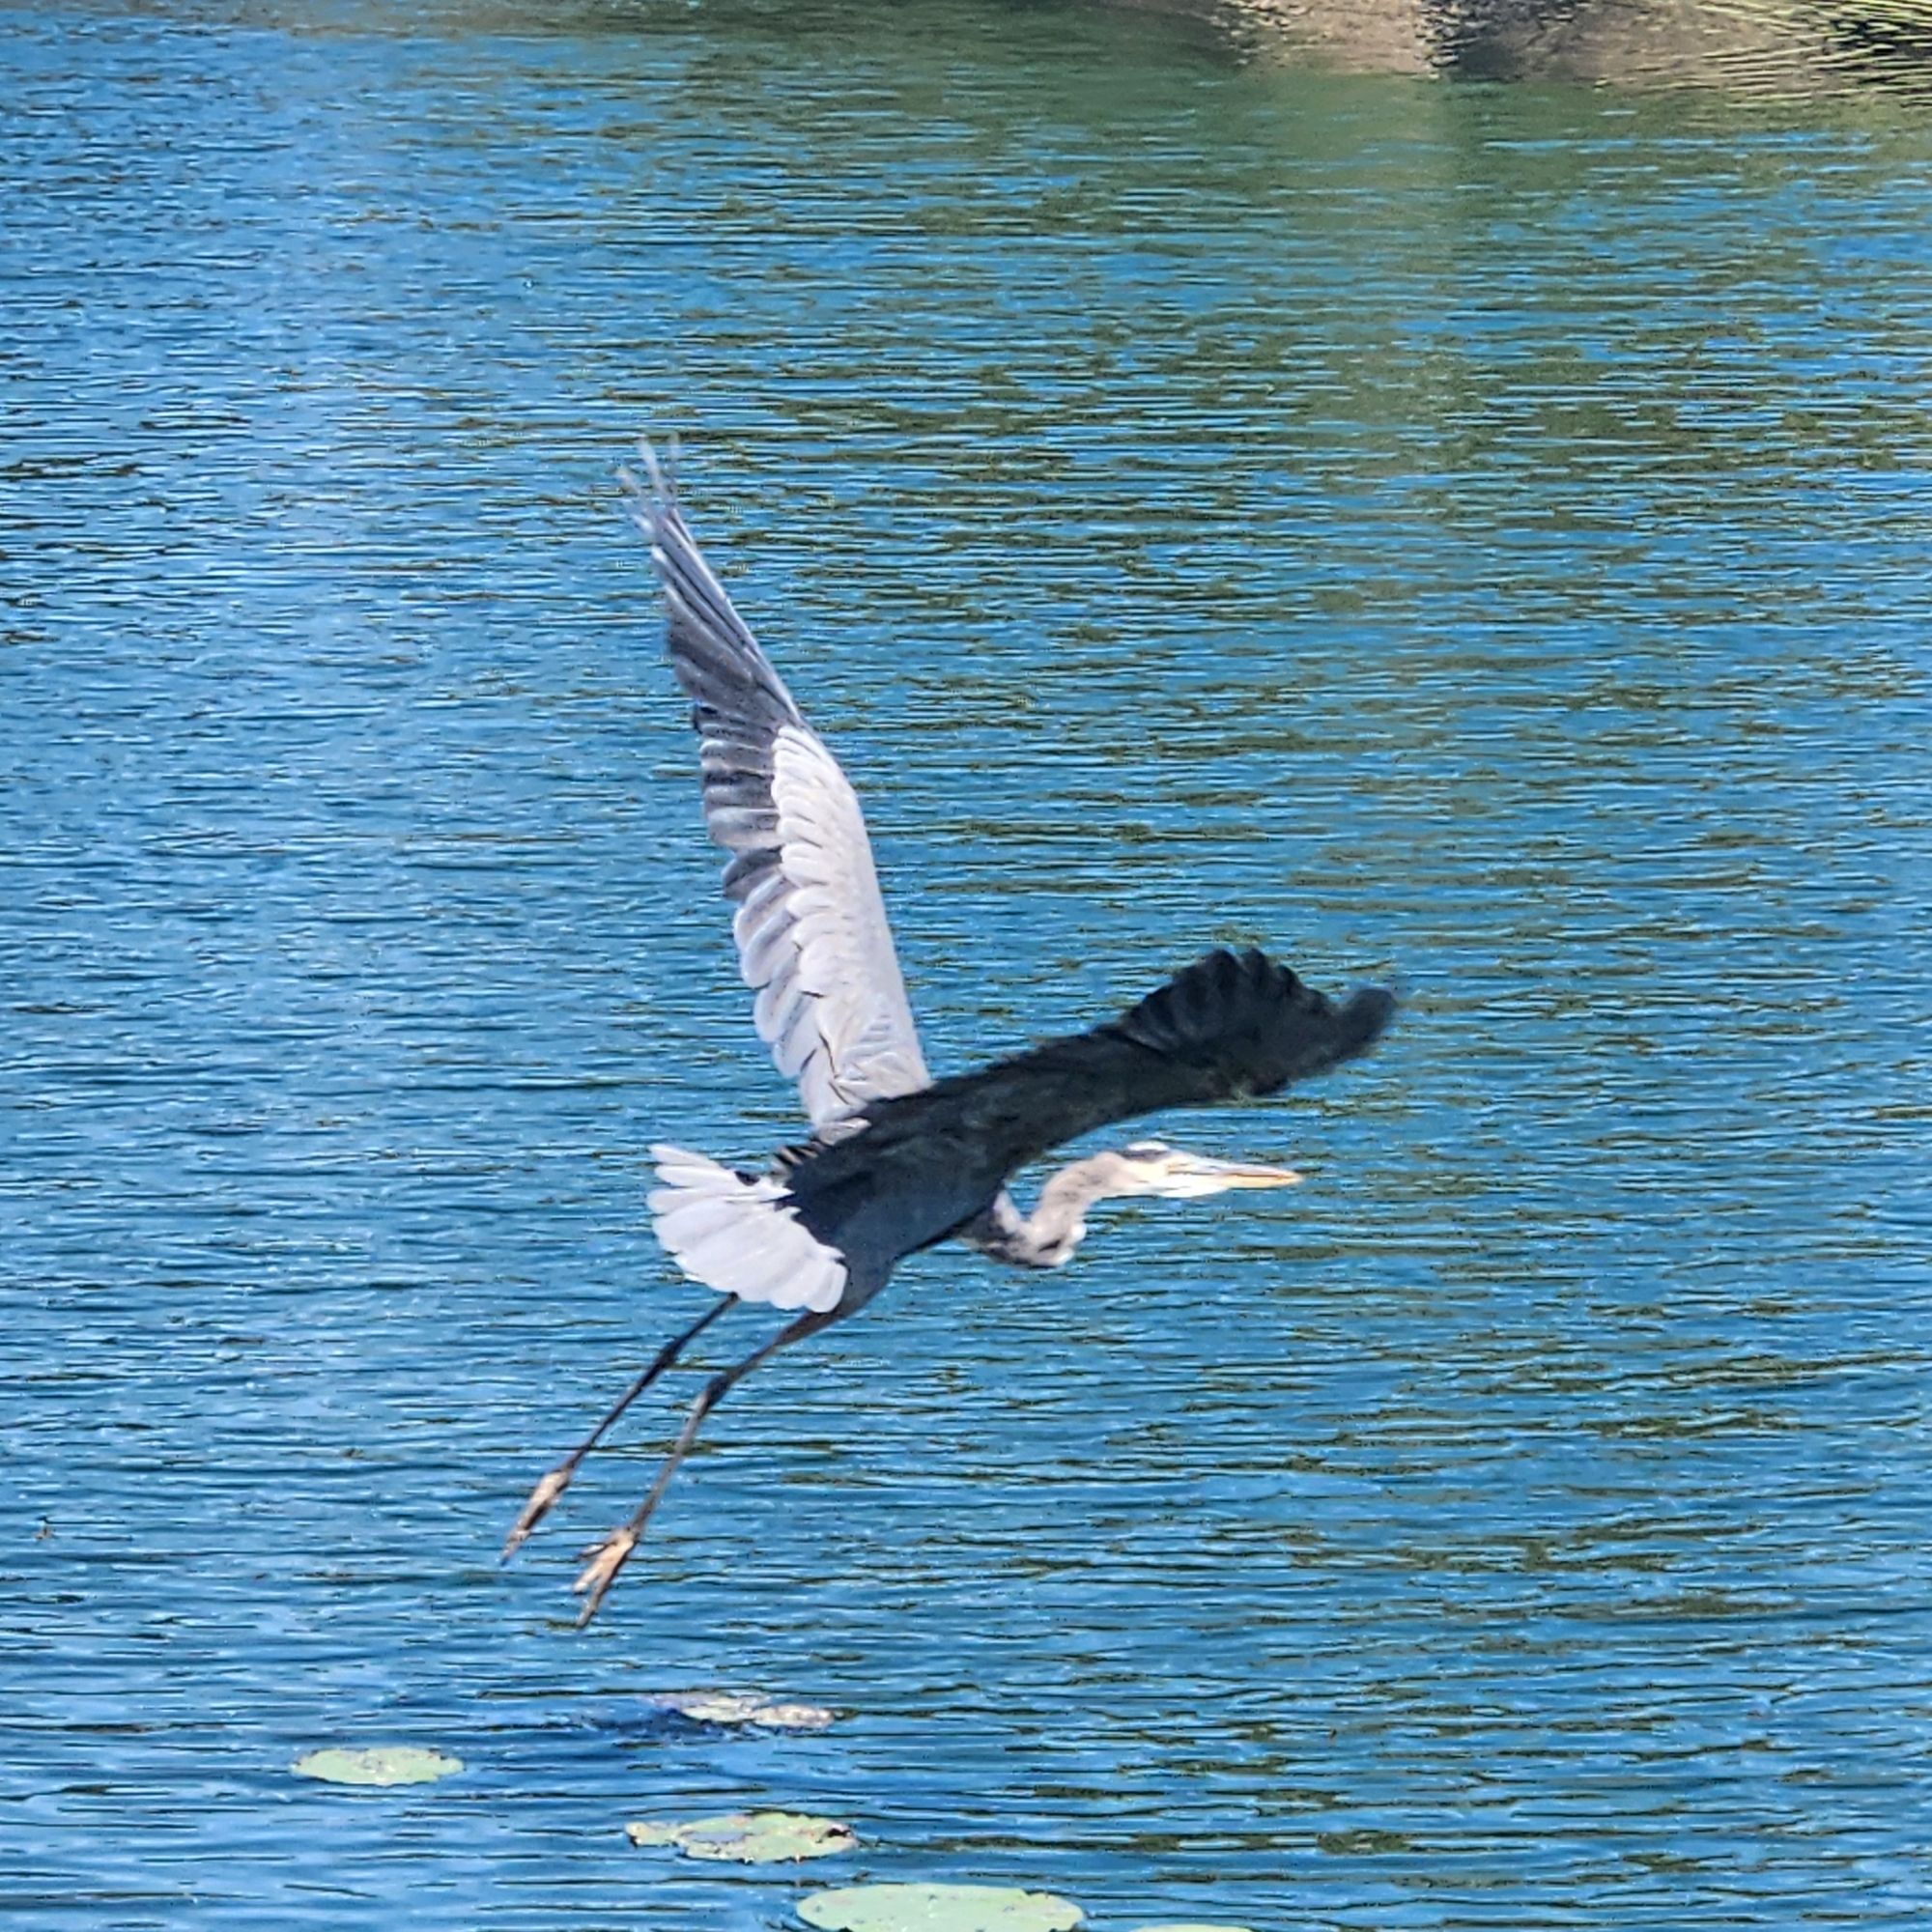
(939, 1908)
(751, 1837)
(377, 1764)
(732, 1707)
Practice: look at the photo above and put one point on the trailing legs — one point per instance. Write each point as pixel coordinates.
(554, 1485)
(609, 1556)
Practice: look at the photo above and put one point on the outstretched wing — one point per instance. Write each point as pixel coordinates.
(1231, 1027)
(811, 926)
(736, 1233)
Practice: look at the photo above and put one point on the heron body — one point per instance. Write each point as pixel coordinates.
(897, 1161)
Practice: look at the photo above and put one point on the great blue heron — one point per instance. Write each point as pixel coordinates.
(897, 1161)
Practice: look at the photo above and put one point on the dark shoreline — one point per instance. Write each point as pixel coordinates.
(1762, 45)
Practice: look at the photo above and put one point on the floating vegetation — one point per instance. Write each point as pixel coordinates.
(939, 1908)
(751, 1837)
(734, 1708)
(377, 1764)
(1189, 1926)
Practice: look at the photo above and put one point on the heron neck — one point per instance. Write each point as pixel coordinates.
(1048, 1237)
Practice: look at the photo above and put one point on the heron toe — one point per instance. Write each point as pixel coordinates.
(601, 1572)
(546, 1492)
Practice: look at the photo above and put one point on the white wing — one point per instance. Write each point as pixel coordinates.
(739, 1235)
(811, 926)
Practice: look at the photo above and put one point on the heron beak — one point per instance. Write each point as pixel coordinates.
(1241, 1173)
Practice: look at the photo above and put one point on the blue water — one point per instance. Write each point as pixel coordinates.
(1473, 536)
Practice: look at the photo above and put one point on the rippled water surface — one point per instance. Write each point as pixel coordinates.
(1473, 535)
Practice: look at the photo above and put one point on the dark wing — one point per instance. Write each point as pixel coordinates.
(1231, 1027)
(811, 926)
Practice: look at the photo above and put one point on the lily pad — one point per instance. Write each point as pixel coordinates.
(751, 1837)
(377, 1764)
(732, 1706)
(939, 1908)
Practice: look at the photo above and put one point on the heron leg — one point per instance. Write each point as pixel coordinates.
(609, 1556)
(554, 1485)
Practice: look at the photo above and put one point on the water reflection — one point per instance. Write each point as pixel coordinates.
(1767, 48)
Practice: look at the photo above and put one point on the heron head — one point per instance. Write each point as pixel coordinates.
(1152, 1166)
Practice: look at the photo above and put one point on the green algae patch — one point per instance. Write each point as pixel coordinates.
(751, 1837)
(729, 1707)
(939, 1908)
(377, 1764)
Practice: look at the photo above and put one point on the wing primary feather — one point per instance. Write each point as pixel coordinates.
(1228, 1027)
(817, 952)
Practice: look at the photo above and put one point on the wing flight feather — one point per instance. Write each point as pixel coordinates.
(1231, 1027)
(740, 1235)
(814, 943)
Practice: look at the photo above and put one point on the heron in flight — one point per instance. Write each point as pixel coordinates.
(895, 1161)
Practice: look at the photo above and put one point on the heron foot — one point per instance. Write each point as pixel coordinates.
(607, 1558)
(546, 1492)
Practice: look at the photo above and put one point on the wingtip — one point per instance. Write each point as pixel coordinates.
(662, 475)
(1369, 1012)
(654, 494)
